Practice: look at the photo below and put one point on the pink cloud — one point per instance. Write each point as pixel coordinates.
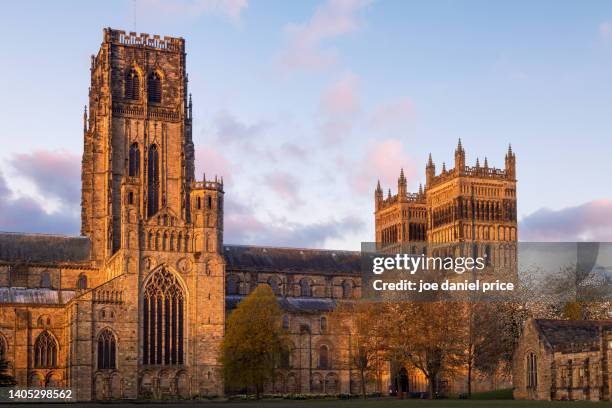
(54, 173)
(286, 186)
(392, 115)
(333, 19)
(591, 221)
(383, 162)
(212, 162)
(341, 97)
(243, 227)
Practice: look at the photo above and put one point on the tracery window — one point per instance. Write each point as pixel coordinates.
(107, 350)
(532, 371)
(154, 87)
(163, 320)
(132, 85)
(45, 351)
(153, 181)
(134, 164)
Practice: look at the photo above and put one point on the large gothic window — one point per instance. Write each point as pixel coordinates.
(163, 320)
(153, 181)
(107, 350)
(134, 159)
(132, 85)
(45, 351)
(154, 87)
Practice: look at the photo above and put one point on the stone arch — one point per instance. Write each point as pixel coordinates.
(182, 384)
(292, 384)
(317, 383)
(53, 380)
(332, 384)
(35, 380)
(116, 386)
(146, 384)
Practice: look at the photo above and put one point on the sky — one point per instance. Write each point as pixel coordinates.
(303, 106)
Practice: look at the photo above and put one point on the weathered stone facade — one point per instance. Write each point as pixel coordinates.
(135, 308)
(563, 360)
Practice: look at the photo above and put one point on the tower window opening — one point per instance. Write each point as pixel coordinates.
(154, 87)
(132, 85)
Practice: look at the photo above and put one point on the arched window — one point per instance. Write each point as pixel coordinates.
(273, 282)
(532, 371)
(163, 319)
(45, 351)
(232, 287)
(107, 350)
(323, 323)
(154, 87)
(323, 357)
(153, 181)
(346, 289)
(487, 255)
(285, 322)
(208, 202)
(134, 164)
(45, 280)
(132, 85)
(305, 289)
(82, 282)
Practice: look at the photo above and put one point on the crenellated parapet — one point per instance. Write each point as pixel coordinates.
(144, 40)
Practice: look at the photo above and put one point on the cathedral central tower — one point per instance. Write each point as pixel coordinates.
(138, 147)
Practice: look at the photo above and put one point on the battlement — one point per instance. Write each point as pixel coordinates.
(144, 40)
(207, 185)
(413, 198)
(471, 171)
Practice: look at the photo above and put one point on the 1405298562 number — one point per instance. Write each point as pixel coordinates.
(38, 393)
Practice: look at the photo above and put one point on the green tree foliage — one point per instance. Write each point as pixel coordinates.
(254, 341)
(6, 380)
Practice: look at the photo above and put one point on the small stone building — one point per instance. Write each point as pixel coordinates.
(563, 360)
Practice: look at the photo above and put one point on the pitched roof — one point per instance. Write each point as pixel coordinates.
(572, 335)
(20, 247)
(296, 260)
(292, 304)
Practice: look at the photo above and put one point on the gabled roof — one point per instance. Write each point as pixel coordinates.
(292, 304)
(20, 247)
(295, 260)
(572, 335)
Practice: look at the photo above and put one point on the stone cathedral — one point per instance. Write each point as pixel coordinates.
(135, 307)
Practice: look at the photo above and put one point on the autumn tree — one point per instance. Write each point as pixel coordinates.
(254, 341)
(426, 335)
(362, 322)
